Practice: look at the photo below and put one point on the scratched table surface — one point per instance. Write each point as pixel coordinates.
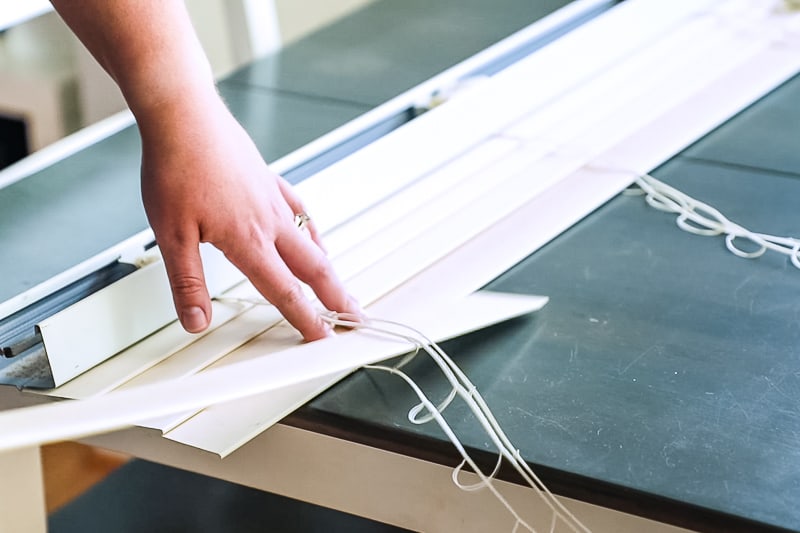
(664, 375)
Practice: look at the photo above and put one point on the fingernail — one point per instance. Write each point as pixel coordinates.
(193, 319)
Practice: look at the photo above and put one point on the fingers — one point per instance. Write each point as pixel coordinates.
(309, 264)
(272, 252)
(276, 282)
(189, 292)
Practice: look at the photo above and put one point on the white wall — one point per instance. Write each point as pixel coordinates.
(37, 69)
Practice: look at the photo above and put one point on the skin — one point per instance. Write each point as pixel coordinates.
(203, 180)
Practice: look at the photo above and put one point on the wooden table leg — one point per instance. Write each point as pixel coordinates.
(22, 505)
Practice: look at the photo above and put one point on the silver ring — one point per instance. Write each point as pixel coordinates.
(301, 220)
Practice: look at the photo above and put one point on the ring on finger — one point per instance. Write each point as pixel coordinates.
(301, 220)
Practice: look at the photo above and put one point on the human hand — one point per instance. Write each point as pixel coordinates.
(203, 180)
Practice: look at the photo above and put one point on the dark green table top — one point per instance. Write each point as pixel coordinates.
(665, 372)
(664, 376)
(389, 50)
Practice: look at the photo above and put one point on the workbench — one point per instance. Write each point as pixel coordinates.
(661, 380)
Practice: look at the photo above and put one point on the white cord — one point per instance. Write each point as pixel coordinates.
(700, 218)
(461, 387)
(467, 391)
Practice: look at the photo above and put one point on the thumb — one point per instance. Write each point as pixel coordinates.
(189, 292)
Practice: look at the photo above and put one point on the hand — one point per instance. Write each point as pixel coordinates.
(203, 180)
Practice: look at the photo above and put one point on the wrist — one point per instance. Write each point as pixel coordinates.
(174, 94)
(177, 111)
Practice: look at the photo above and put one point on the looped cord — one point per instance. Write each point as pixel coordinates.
(735, 250)
(475, 486)
(696, 217)
(412, 414)
(464, 389)
(710, 230)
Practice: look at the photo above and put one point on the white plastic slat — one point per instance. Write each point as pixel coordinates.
(277, 338)
(141, 356)
(640, 136)
(626, 111)
(225, 427)
(205, 351)
(343, 190)
(410, 257)
(393, 209)
(650, 66)
(586, 189)
(21, 428)
(697, 114)
(433, 125)
(108, 321)
(429, 214)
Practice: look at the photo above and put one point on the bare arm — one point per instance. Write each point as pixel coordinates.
(203, 180)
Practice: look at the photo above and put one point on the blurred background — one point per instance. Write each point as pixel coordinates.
(51, 86)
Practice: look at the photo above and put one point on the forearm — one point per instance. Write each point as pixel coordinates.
(150, 49)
